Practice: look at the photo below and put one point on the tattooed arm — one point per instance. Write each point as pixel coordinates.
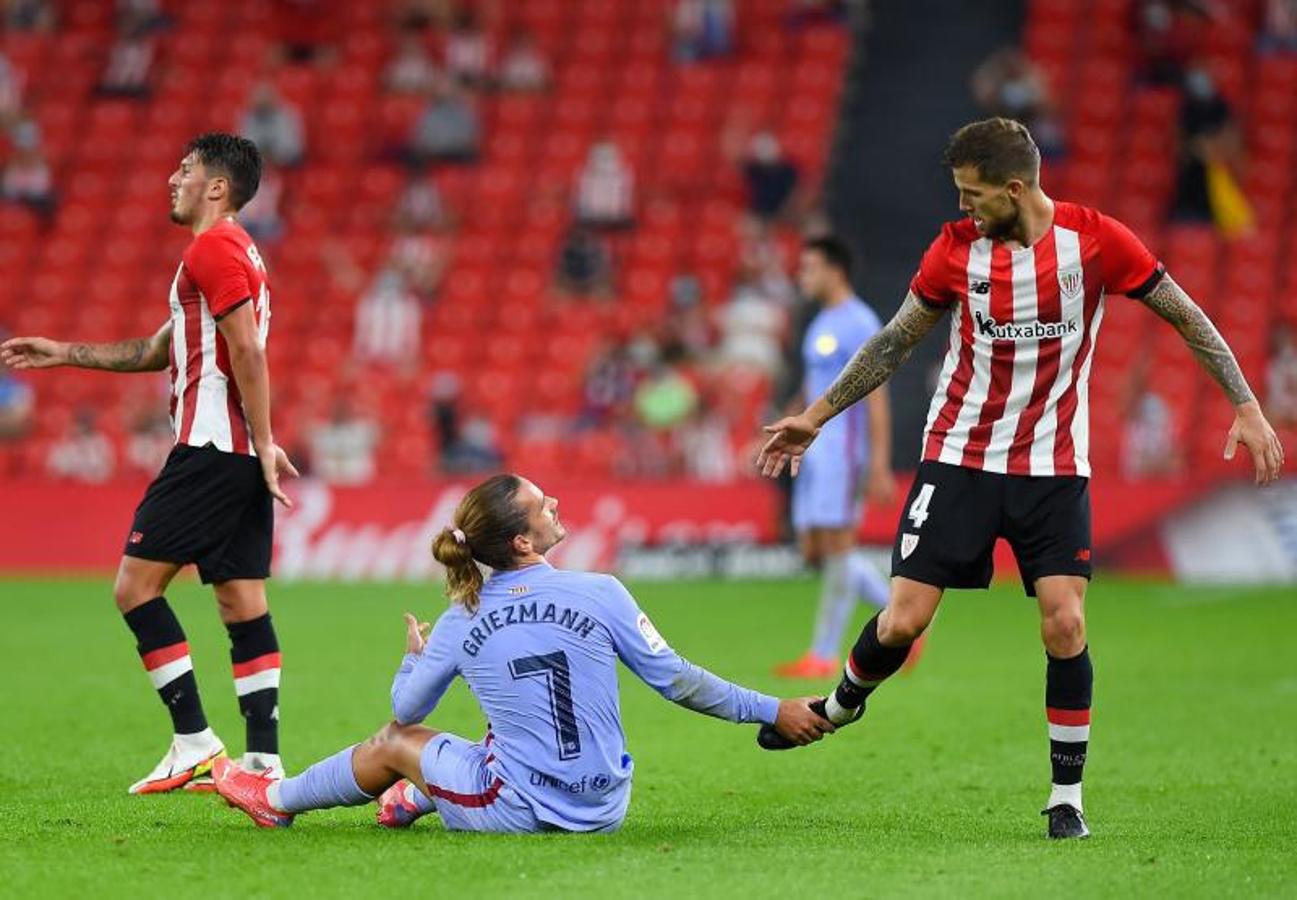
(148, 354)
(872, 365)
(1169, 301)
(1250, 427)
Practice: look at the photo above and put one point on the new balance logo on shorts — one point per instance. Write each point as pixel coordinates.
(1027, 331)
(136, 537)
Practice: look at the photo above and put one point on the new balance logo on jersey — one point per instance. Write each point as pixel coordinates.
(1026, 331)
(980, 287)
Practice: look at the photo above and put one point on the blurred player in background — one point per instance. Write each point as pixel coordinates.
(538, 648)
(1006, 446)
(852, 454)
(212, 503)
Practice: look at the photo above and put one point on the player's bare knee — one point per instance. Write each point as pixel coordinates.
(1063, 632)
(901, 625)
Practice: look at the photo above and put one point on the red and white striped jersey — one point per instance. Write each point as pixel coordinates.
(219, 271)
(1013, 394)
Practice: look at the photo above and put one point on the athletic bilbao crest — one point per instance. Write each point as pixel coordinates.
(908, 543)
(1071, 281)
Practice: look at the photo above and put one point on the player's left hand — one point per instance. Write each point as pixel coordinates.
(789, 438)
(275, 463)
(1251, 429)
(416, 634)
(881, 486)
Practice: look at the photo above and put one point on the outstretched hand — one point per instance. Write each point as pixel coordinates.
(1251, 429)
(788, 442)
(32, 353)
(416, 634)
(799, 723)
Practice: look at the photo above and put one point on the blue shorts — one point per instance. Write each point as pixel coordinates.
(826, 493)
(468, 796)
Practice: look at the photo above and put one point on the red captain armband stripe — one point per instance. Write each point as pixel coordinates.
(1141, 290)
(1067, 716)
(155, 659)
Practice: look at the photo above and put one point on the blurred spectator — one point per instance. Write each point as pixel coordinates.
(261, 216)
(307, 29)
(11, 93)
(753, 322)
(417, 15)
(706, 445)
(1168, 34)
(27, 179)
(421, 260)
(1211, 155)
(686, 332)
(474, 449)
(609, 386)
(448, 128)
(702, 29)
(1281, 378)
(421, 206)
(524, 68)
(584, 264)
(1279, 28)
(342, 449)
(388, 321)
(1009, 84)
(770, 176)
(605, 189)
(150, 440)
(83, 454)
(467, 446)
(129, 61)
(29, 15)
(664, 397)
(275, 126)
(17, 400)
(412, 70)
(1149, 449)
(141, 15)
(468, 50)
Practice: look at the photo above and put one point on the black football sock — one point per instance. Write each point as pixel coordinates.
(162, 647)
(868, 665)
(1068, 684)
(254, 650)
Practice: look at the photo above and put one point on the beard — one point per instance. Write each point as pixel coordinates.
(1005, 228)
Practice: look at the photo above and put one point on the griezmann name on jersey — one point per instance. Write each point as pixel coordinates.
(540, 654)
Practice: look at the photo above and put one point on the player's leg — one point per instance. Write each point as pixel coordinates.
(254, 654)
(883, 646)
(947, 533)
(139, 591)
(820, 659)
(1049, 529)
(237, 564)
(353, 776)
(837, 592)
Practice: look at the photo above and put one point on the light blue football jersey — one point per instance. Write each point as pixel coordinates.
(540, 654)
(832, 339)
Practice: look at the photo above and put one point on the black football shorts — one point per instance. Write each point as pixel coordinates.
(953, 516)
(210, 508)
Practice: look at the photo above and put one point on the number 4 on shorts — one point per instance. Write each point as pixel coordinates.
(918, 513)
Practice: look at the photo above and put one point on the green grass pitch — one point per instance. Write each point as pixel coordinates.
(1191, 787)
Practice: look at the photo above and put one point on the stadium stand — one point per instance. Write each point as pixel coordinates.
(103, 268)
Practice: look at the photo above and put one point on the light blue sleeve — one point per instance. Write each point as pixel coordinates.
(648, 655)
(424, 677)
